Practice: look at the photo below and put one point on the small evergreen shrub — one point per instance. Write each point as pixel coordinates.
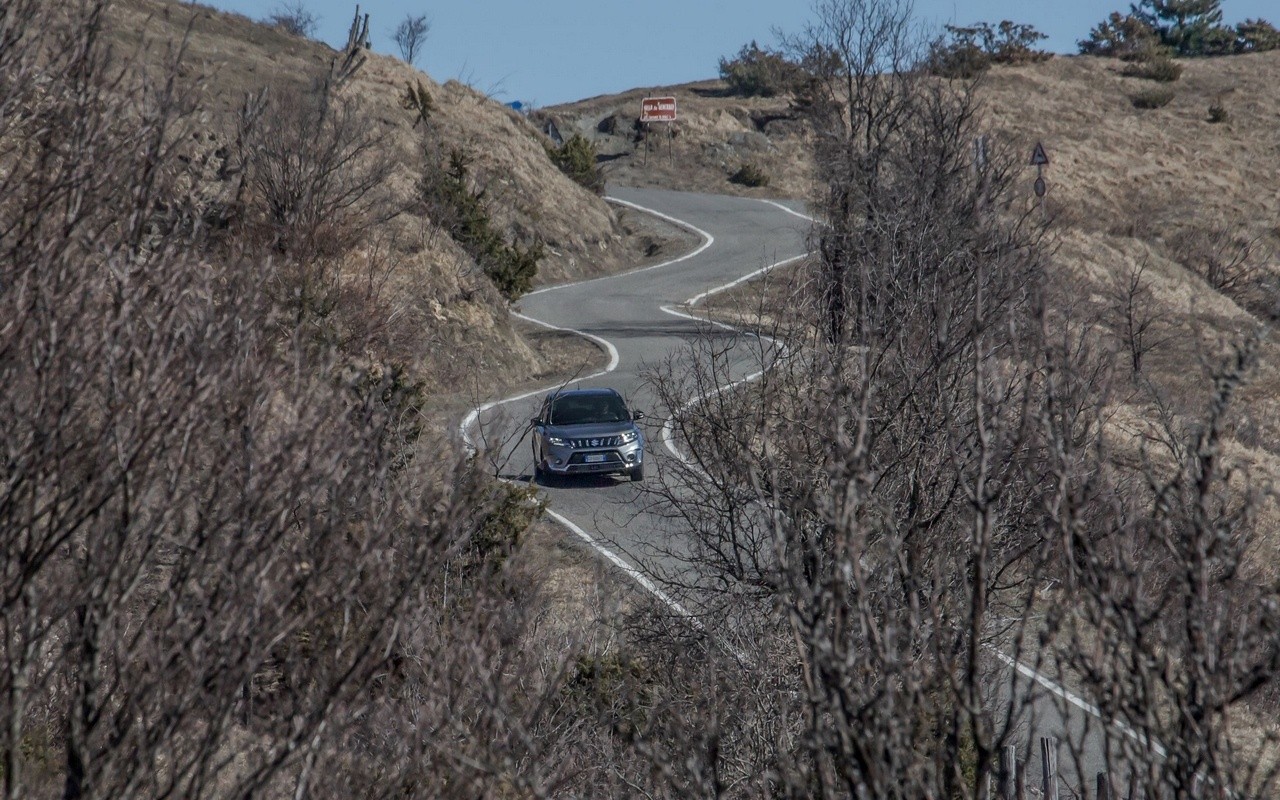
(1218, 112)
(966, 51)
(463, 213)
(1256, 36)
(1184, 28)
(392, 394)
(1124, 36)
(750, 175)
(418, 100)
(757, 72)
(577, 159)
(1152, 98)
(513, 510)
(616, 688)
(1216, 41)
(1161, 69)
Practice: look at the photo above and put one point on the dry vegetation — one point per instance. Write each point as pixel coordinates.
(715, 136)
(229, 571)
(228, 331)
(448, 320)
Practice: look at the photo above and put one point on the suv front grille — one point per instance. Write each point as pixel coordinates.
(598, 441)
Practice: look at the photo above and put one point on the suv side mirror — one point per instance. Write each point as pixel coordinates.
(638, 415)
(535, 422)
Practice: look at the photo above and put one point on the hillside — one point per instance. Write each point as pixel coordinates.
(451, 326)
(247, 292)
(715, 135)
(1166, 207)
(1194, 203)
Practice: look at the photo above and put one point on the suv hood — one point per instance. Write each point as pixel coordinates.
(590, 429)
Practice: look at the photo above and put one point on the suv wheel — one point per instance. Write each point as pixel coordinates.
(637, 474)
(539, 474)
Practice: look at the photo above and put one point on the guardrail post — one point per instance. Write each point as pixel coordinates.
(1009, 772)
(1049, 766)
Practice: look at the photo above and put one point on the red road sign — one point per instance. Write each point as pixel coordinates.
(1038, 156)
(658, 109)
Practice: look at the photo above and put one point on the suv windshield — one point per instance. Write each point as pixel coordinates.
(587, 409)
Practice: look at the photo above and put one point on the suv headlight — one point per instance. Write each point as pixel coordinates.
(556, 441)
(630, 436)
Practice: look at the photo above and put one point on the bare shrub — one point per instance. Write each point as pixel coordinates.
(410, 35)
(1136, 318)
(926, 484)
(1170, 577)
(1161, 69)
(1152, 98)
(294, 18)
(966, 51)
(222, 574)
(1226, 259)
(315, 165)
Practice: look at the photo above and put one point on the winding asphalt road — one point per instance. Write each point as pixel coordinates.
(625, 314)
(632, 316)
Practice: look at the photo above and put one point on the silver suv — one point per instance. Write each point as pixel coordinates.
(587, 431)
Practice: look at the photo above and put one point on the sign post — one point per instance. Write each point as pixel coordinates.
(1040, 160)
(658, 109)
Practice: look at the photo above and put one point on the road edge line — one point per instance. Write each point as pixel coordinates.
(474, 415)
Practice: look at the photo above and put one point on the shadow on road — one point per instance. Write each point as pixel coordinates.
(573, 482)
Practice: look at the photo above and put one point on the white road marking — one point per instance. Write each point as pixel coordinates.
(470, 420)
(608, 347)
(631, 572)
(474, 415)
(1079, 702)
(792, 212)
(668, 440)
(707, 241)
(698, 298)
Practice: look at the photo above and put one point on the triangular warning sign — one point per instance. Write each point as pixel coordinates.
(1038, 157)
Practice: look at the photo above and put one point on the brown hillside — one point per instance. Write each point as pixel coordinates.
(440, 314)
(715, 135)
(1165, 189)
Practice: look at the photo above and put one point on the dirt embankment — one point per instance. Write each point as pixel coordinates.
(715, 135)
(438, 313)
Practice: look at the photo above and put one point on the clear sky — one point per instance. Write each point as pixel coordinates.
(556, 51)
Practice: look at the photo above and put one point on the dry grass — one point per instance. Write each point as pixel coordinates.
(433, 310)
(1126, 187)
(715, 135)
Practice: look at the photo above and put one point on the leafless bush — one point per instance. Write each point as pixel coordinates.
(1136, 317)
(926, 483)
(410, 35)
(294, 18)
(220, 572)
(1227, 260)
(315, 164)
(1164, 615)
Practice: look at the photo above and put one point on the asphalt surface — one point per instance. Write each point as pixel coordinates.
(741, 236)
(625, 312)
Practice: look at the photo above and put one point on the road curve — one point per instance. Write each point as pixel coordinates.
(630, 316)
(624, 314)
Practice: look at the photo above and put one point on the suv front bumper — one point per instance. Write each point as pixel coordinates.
(569, 460)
